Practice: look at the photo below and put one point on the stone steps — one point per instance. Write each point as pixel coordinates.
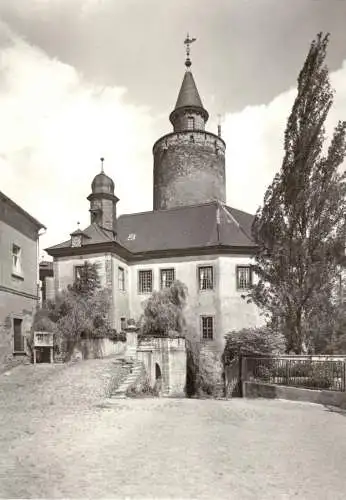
(136, 371)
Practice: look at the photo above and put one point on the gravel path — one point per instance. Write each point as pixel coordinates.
(162, 448)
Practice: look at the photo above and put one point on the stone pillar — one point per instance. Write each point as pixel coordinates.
(165, 368)
(131, 339)
(177, 366)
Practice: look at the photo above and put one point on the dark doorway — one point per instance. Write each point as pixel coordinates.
(43, 355)
(157, 371)
(18, 336)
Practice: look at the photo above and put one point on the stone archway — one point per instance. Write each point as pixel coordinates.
(158, 374)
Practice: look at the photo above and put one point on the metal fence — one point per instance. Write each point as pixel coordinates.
(305, 373)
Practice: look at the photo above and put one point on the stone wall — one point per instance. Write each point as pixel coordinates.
(98, 348)
(14, 306)
(166, 358)
(262, 390)
(189, 169)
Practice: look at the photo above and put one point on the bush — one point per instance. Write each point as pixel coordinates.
(307, 375)
(264, 373)
(163, 311)
(142, 390)
(253, 342)
(115, 336)
(204, 377)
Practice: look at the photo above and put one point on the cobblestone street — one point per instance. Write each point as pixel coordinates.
(61, 441)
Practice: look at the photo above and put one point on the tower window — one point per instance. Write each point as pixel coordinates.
(145, 281)
(206, 278)
(167, 277)
(190, 123)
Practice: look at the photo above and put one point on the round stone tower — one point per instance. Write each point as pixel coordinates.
(189, 163)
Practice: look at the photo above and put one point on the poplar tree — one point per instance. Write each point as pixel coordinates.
(300, 229)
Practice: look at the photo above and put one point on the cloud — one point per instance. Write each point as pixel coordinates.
(254, 139)
(55, 125)
(54, 128)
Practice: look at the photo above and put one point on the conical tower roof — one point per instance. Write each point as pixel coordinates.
(188, 98)
(188, 94)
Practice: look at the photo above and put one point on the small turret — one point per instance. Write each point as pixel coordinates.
(103, 201)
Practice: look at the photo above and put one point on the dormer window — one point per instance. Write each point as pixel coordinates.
(190, 123)
(76, 240)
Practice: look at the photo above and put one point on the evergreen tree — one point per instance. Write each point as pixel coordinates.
(300, 228)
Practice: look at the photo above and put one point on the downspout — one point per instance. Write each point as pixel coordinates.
(44, 230)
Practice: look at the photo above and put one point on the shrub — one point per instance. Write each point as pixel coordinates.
(204, 371)
(264, 373)
(306, 374)
(253, 341)
(142, 389)
(163, 311)
(115, 336)
(209, 375)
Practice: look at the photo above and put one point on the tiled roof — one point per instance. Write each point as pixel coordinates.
(94, 234)
(176, 229)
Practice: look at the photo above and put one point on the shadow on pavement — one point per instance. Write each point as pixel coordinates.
(335, 409)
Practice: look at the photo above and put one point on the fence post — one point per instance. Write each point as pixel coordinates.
(288, 362)
(241, 373)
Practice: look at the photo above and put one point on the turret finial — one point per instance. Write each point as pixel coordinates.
(102, 160)
(188, 42)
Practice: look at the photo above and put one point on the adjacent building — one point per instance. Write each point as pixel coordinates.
(191, 234)
(19, 240)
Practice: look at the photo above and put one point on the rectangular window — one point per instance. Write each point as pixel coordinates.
(18, 339)
(206, 278)
(190, 123)
(244, 277)
(122, 324)
(78, 271)
(207, 327)
(145, 281)
(167, 277)
(16, 259)
(121, 278)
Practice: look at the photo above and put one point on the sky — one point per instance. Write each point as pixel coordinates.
(84, 79)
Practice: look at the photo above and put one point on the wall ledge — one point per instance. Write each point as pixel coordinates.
(271, 391)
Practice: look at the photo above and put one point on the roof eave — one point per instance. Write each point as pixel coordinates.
(14, 205)
(115, 247)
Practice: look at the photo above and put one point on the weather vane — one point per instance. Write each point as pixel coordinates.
(188, 42)
(102, 160)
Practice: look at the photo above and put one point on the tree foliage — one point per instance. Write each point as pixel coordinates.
(300, 228)
(164, 311)
(253, 342)
(87, 280)
(80, 311)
